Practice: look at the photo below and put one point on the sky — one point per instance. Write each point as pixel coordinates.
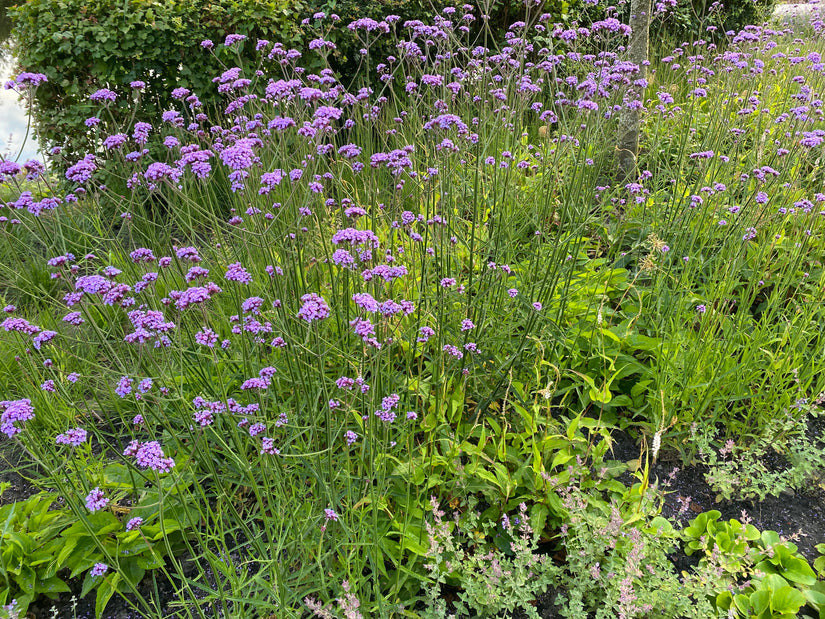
(13, 121)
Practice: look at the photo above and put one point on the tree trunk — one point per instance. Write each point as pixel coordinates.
(630, 117)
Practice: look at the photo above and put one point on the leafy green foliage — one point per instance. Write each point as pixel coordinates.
(44, 545)
(690, 20)
(82, 46)
(741, 471)
(30, 548)
(762, 576)
(542, 307)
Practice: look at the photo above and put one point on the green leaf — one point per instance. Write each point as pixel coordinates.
(68, 548)
(621, 400)
(560, 459)
(169, 526)
(104, 593)
(131, 571)
(99, 523)
(815, 598)
(751, 533)
(760, 601)
(26, 580)
(117, 475)
(573, 426)
(78, 560)
(742, 604)
(538, 516)
(151, 562)
(659, 523)
(797, 570)
(770, 538)
(89, 583)
(21, 540)
(787, 600)
(51, 586)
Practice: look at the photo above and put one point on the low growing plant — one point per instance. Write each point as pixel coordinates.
(759, 574)
(44, 545)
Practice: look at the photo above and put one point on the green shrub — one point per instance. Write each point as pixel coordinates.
(690, 20)
(82, 46)
(347, 57)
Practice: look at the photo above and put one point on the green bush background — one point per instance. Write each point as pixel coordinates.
(84, 45)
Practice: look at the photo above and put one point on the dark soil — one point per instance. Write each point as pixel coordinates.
(16, 470)
(797, 516)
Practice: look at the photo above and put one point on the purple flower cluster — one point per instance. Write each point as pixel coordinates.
(96, 500)
(81, 172)
(20, 325)
(73, 437)
(104, 94)
(236, 273)
(388, 405)
(149, 455)
(194, 295)
(99, 569)
(12, 412)
(148, 325)
(356, 237)
(314, 308)
(134, 523)
(206, 337)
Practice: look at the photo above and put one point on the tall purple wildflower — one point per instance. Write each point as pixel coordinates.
(236, 273)
(14, 411)
(96, 500)
(314, 308)
(149, 455)
(73, 437)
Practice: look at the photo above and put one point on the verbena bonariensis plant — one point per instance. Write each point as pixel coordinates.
(265, 321)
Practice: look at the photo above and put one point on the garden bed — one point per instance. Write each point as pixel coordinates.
(379, 349)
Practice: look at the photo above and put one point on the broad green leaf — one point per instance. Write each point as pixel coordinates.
(104, 593)
(787, 600)
(51, 586)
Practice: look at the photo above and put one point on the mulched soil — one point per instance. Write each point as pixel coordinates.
(15, 470)
(797, 516)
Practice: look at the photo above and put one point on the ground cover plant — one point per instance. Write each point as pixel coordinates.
(358, 349)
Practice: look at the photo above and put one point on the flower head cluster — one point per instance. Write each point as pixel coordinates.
(149, 455)
(73, 437)
(236, 273)
(12, 412)
(194, 295)
(314, 308)
(134, 523)
(96, 500)
(99, 569)
(104, 94)
(356, 237)
(388, 405)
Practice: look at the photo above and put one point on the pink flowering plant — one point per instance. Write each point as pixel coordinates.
(276, 329)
